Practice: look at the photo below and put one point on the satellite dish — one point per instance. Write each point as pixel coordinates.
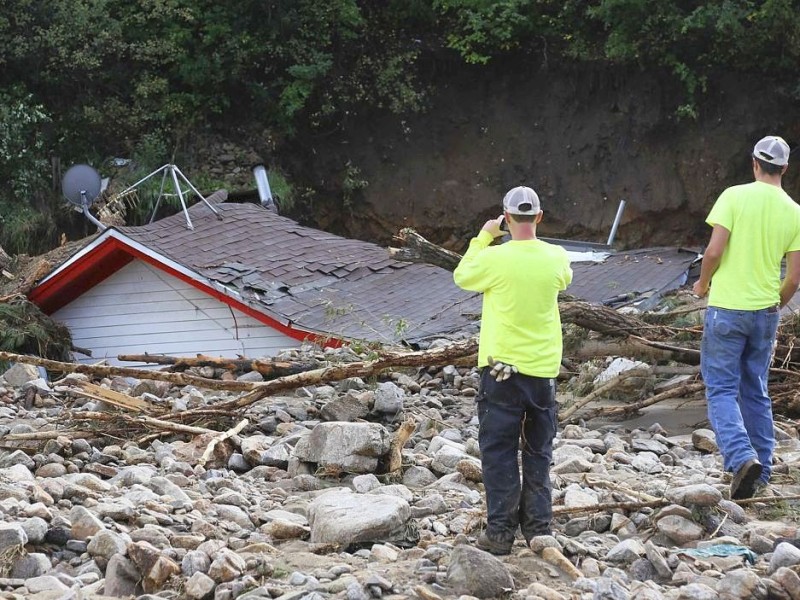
(81, 185)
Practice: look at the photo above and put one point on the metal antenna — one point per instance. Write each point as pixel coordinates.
(173, 172)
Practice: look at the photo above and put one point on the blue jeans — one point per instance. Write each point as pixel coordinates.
(521, 406)
(735, 358)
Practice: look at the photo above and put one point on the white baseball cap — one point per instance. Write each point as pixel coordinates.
(772, 149)
(522, 201)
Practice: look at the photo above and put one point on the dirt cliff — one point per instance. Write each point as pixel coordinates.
(584, 138)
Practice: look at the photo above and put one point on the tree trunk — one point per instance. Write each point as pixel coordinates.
(418, 249)
(269, 368)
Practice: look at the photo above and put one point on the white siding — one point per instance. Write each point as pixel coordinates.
(142, 309)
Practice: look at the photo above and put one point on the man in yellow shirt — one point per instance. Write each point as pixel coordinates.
(521, 331)
(754, 226)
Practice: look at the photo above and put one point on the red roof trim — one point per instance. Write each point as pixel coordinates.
(110, 256)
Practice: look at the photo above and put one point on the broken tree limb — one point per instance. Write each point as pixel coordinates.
(45, 435)
(633, 348)
(269, 368)
(629, 506)
(620, 411)
(109, 371)
(399, 440)
(140, 421)
(438, 356)
(418, 249)
(669, 347)
(115, 398)
(566, 415)
(607, 320)
(209, 451)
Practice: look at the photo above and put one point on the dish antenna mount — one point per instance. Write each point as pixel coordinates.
(80, 186)
(175, 175)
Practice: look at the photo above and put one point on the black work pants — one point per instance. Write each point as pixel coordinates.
(521, 406)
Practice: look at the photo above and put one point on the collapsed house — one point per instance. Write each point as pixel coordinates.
(247, 282)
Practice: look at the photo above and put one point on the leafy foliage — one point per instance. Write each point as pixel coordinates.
(24, 329)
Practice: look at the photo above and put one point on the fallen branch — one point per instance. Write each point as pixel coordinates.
(617, 411)
(609, 385)
(109, 371)
(269, 368)
(629, 506)
(140, 421)
(437, 356)
(418, 249)
(399, 440)
(45, 435)
(220, 438)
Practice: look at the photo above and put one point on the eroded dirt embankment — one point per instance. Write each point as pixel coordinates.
(585, 139)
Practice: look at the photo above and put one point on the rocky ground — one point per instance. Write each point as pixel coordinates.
(297, 504)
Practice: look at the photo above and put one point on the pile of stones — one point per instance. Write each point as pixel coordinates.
(299, 506)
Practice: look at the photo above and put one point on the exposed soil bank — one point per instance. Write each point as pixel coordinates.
(583, 138)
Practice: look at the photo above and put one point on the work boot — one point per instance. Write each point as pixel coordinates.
(744, 481)
(492, 545)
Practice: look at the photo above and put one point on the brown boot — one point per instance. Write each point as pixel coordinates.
(744, 482)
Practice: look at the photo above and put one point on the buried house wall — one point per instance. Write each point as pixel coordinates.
(142, 309)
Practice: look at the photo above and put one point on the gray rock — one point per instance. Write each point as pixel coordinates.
(418, 477)
(84, 523)
(351, 447)
(787, 579)
(365, 483)
(347, 409)
(704, 440)
(742, 584)
(199, 586)
(34, 564)
(477, 573)
(642, 570)
(657, 559)
(12, 535)
(626, 551)
(697, 591)
(608, 589)
(679, 529)
(236, 515)
(342, 517)
(195, 561)
(785, 555)
(45, 583)
(51, 470)
(121, 577)
(389, 398)
(164, 487)
(277, 456)
(36, 529)
(19, 374)
(104, 545)
(648, 445)
(18, 457)
(226, 566)
(700, 494)
(155, 567)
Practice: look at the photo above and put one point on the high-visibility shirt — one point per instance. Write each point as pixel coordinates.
(764, 224)
(520, 281)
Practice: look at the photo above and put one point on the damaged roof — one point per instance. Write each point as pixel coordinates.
(633, 276)
(311, 280)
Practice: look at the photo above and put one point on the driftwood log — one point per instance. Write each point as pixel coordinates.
(269, 368)
(418, 249)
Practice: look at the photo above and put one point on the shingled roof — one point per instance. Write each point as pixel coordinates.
(315, 280)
